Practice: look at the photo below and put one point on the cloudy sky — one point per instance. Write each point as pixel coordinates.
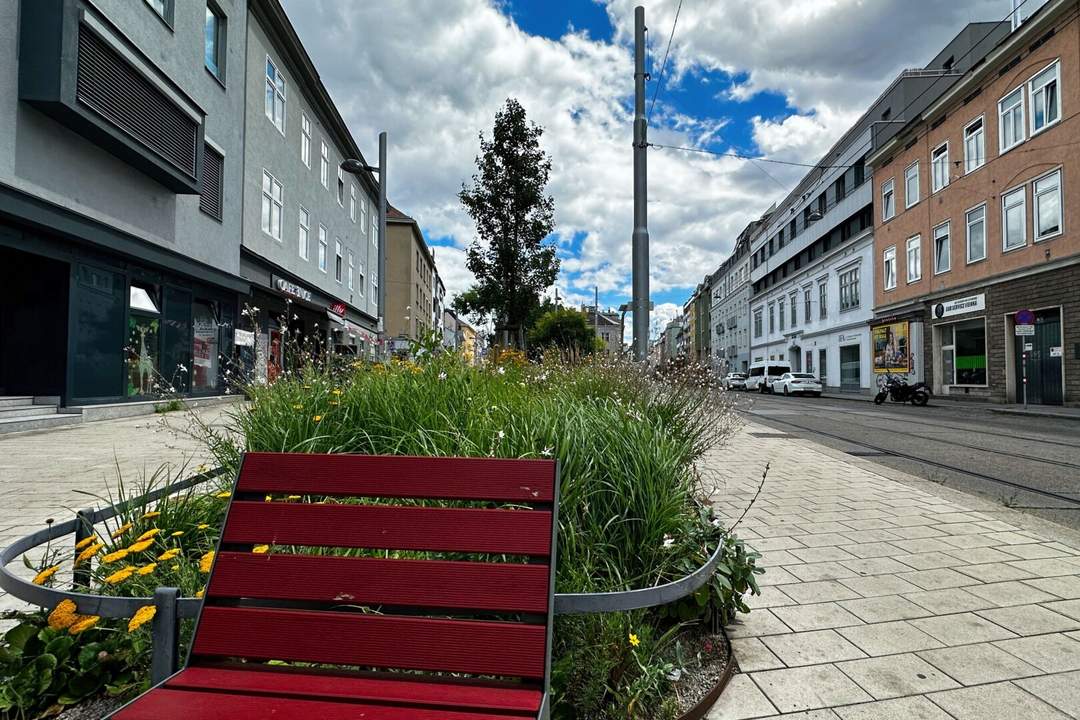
(779, 79)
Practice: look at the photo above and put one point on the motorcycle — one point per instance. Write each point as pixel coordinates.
(900, 391)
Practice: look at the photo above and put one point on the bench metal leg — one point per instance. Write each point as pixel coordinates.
(166, 634)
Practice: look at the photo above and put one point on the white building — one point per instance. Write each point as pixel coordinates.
(730, 311)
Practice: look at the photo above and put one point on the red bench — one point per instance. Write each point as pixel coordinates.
(421, 638)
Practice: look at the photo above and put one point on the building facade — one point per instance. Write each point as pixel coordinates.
(310, 230)
(608, 326)
(976, 226)
(410, 271)
(120, 211)
(812, 268)
(729, 294)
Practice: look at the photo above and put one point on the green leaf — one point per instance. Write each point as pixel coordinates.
(60, 647)
(17, 636)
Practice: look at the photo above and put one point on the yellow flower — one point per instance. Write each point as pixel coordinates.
(200, 593)
(63, 615)
(140, 546)
(224, 495)
(120, 575)
(260, 549)
(85, 623)
(298, 407)
(334, 402)
(293, 497)
(142, 616)
(149, 534)
(202, 526)
(634, 640)
(45, 574)
(269, 498)
(114, 556)
(89, 553)
(151, 515)
(201, 469)
(206, 562)
(317, 418)
(168, 554)
(121, 530)
(146, 569)
(85, 542)
(335, 391)
(178, 533)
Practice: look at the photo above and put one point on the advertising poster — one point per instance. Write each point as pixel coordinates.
(892, 345)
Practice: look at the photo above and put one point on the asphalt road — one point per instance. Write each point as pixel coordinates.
(1028, 463)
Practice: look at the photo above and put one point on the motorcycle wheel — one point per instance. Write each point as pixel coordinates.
(920, 399)
(879, 398)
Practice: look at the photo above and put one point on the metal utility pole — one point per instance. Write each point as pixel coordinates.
(596, 309)
(640, 304)
(382, 232)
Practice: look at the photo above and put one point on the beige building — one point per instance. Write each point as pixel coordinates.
(608, 326)
(410, 278)
(468, 342)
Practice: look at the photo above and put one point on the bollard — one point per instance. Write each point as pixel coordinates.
(166, 633)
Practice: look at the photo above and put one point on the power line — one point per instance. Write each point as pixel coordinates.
(663, 65)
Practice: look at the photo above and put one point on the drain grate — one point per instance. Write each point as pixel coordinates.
(768, 435)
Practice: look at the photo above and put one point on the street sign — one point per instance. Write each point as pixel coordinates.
(1023, 330)
(1025, 317)
(1057, 351)
(1028, 347)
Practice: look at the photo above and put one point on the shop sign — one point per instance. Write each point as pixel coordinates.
(337, 308)
(1057, 351)
(1025, 330)
(892, 347)
(292, 289)
(959, 306)
(244, 338)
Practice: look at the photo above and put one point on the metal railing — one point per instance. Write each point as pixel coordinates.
(171, 607)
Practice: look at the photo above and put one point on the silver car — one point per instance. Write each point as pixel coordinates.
(734, 381)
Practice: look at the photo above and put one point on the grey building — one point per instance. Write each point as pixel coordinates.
(310, 241)
(730, 313)
(608, 326)
(120, 205)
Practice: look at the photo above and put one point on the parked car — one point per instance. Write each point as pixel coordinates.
(764, 372)
(734, 381)
(797, 384)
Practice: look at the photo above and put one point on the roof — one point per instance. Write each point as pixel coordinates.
(392, 213)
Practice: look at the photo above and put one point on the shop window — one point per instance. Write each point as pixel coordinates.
(144, 324)
(1048, 206)
(204, 350)
(963, 359)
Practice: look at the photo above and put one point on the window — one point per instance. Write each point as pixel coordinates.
(275, 95)
(889, 267)
(215, 41)
(322, 248)
(352, 203)
(823, 299)
(360, 285)
(374, 228)
(352, 267)
(964, 353)
(794, 315)
(324, 167)
(271, 206)
(757, 323)
(341, 187)
(772, 319)
(806, 305)
(939, 167)
(888, 199)
(164, 8)
(1014, 219)
(911, 185)
(914, 259)
(849, 289)
(975, 220)
(942, 249)
(1047, 210)
(305, 139)
(305, 225)
(338, 263)
(974, 146)
(1045, 99)
(363, 213)
(782, 315)
(1011, 120)
(211, 183)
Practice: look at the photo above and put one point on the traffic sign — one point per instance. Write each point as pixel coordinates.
(1025, 317)
(1023, 330)
(1028, 347)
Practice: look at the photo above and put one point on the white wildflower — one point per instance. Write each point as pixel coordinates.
(442, 376)
(669, 542)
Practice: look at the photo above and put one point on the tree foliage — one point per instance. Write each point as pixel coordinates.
(507, 201)
(566, 330)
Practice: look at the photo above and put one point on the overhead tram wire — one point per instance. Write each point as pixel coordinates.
(663, 65)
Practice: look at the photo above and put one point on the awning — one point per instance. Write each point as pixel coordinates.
(349, 325)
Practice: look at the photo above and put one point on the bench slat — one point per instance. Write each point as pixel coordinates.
(511, 532)
(465, 646)
(429, 693)
(399, 476)
(501, 587)
(166, 704)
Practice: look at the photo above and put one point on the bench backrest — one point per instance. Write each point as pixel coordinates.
(488, 617)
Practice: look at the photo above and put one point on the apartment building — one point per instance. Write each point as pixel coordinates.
(812, 266)
(975, 227)
(120, 213)
(410, 271)
(608, 326)
(729, 295)
(310, 242)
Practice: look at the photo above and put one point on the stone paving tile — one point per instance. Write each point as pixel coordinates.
(757, 623)
(876, 585)
(929, 561)
(949, 600)
(967, 542)
(822, 554)
(753, 655)
(740, 700)
(961, 629)
(819, 591)
(1047, 567)
(776, 576)
(979, 555)
(915, 532)
(810, 572)
(1004, 594)
(889, 638)
(1030, 620)
(820, 616)
(884, 609)
(923, 545)
(907, 708)
(1061, 690)
(809, 688)
(774, 558)
(812, 648)
(1003, 701)
(1070, 608)
(938, 579)
(993, 572)
(824, 527)
(822, 539)
(1066, 587)
(1050, 653)
(864, 536)
(874, 550)
(771, 596)
(980, 663)
(896, 675)
(875, 566)
(768, 544)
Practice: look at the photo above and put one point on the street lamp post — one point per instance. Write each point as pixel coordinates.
(359, 167)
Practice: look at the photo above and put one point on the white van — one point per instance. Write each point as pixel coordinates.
(764, 372)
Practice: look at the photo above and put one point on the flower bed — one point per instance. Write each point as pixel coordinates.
(631, 516)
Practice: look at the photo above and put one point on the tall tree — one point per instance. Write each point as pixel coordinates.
(513, 215)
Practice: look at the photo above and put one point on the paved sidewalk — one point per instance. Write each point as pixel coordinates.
(887, 596)
(43, 472)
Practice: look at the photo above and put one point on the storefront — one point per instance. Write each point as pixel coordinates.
(896, 342)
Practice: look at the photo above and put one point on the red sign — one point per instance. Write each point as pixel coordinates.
(338, 309)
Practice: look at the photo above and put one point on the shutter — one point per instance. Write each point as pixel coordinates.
(107, 84)
(211, 184)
